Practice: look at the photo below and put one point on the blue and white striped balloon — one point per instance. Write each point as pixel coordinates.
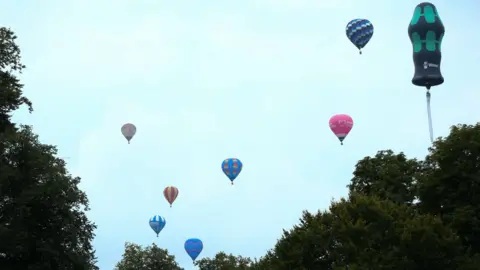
(359, 32)
(157, 223)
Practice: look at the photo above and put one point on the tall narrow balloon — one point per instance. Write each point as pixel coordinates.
(232, 168)
(128, 131)
(426, 33)
(193, 247)
(170, 194)
(341, 125)
(359, 32)
(157, 223)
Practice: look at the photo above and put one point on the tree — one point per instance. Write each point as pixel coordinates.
(42, 211)
(11, 96)
(222, 261)
(450, 187)
(388, 176)
(364, 233)
(151, 257)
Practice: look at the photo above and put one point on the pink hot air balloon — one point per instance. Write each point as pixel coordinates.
(341, 124)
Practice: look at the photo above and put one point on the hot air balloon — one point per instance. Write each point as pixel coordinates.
(157, 223)
(193, 247)
(128, 131)
(232, 168)
(426, 32)
(359, 32)
(341, 124)
(170, 194)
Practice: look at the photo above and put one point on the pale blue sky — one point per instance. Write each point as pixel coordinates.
(257, 80)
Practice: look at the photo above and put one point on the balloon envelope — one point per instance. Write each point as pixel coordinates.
(193, 247)
(128, 131)
(232, 168)
(426, 32)
(157, 223)
(341, 124)
(359, 32)
(170, 194)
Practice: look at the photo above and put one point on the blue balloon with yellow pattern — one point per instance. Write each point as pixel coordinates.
(359, 32)
(232, 168)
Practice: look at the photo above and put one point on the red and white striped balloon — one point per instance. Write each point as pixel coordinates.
(170, 194)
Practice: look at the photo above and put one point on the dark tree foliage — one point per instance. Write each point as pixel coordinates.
(388, 176)
(223, 261)
(366, 233)
(151, 257)
(11, 96)
(42, 211)
(450, 187)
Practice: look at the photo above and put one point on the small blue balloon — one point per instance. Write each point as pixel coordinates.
(359, 32)
(157, 223)
(193, 247)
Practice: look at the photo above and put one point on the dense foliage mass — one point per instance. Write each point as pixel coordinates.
(42, 212)
(400, 213)
(146, 258)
